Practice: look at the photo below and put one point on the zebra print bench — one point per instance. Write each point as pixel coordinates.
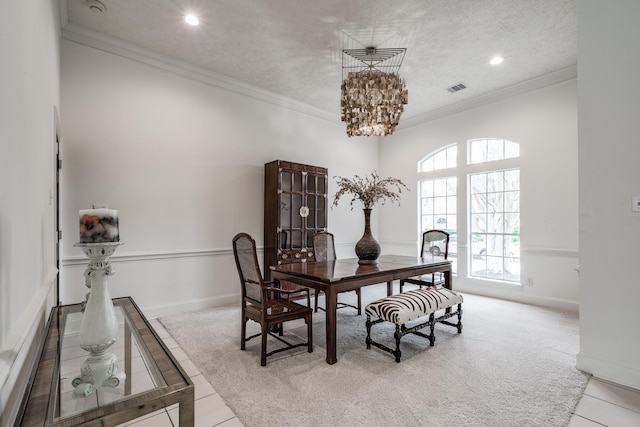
(413, 306)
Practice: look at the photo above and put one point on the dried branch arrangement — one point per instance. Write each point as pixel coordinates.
(369, 190)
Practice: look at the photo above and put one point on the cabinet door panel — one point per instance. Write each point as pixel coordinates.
(311, 218)
(296, 219)
(285, 181)
(296, 239)
(321, 215)
(297, 182)
(285, 210)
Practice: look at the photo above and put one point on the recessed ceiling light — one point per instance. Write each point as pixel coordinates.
(192, 19)
(496, 60)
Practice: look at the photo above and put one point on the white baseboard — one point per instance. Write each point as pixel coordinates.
(628, 376)
(192, 305)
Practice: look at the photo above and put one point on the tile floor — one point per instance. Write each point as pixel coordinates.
(602, 404)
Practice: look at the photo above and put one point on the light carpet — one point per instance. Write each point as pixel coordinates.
(513, 365)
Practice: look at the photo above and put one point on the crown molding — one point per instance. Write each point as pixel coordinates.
(114, 46)
(497, 95)
(81, 35)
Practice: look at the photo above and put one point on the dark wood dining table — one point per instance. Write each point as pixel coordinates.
(340, 275)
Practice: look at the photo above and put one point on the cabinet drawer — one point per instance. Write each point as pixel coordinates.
(288, 257)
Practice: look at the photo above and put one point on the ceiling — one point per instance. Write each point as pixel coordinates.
(293, 48)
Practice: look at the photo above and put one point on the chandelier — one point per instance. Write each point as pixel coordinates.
(373, 95)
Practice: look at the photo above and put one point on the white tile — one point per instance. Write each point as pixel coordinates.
(170, 343)
(159, 328)
(606, 413)
(191, 369)
(202, 387)
(179, 354)
(609, 392)
(209, 411)
(578, 421)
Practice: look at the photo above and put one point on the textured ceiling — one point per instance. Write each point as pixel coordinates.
(293, 47)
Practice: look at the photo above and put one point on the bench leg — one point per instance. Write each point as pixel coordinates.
(368, 340)
(397, 336)
(432, 335)
(459, 318)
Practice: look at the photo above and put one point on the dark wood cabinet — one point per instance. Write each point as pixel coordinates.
(295, 208)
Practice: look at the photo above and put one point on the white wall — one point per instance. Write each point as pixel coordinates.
(29, 91)
(183, 162)
(609, 125)
(544, 123)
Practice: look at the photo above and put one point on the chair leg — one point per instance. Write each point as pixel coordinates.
(316, 300)
(263, 351)
(309, 335)
(243, 331)
(401, 285)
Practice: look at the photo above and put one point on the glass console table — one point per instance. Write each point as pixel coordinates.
(154, 379)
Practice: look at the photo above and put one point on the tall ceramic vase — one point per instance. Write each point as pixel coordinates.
(367, 248)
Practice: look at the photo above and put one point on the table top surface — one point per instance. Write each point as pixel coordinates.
(344, 269)
(152, 372)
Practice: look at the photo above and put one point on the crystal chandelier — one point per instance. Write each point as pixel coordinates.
(373, 95)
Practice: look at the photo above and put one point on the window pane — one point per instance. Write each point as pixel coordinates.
(489, 150)
(451, 224)
(452, 157)
(511, 180)
(452, 184)
(440, 187)
(439, 205)
(477, 151)
(427, 223)
(512, 223)
(427, 165)
(495, 222)
(495, 245)
(451, 204)
(478, 223)
(495, 202)
(512, 201)
(426, 189)
(478, 183)
(494, 149)
(427, 204)
(441, 159)
(479, 203)
(495, 181)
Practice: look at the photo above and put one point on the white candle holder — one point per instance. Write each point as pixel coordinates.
(99, 327)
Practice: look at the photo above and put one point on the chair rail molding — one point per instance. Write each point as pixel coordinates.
(152, 256)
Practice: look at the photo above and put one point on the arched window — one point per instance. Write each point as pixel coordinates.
(491, 210)
(444, 158)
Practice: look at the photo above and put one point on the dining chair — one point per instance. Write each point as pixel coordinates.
(265, 303)
(436, 243)
(324, 249)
